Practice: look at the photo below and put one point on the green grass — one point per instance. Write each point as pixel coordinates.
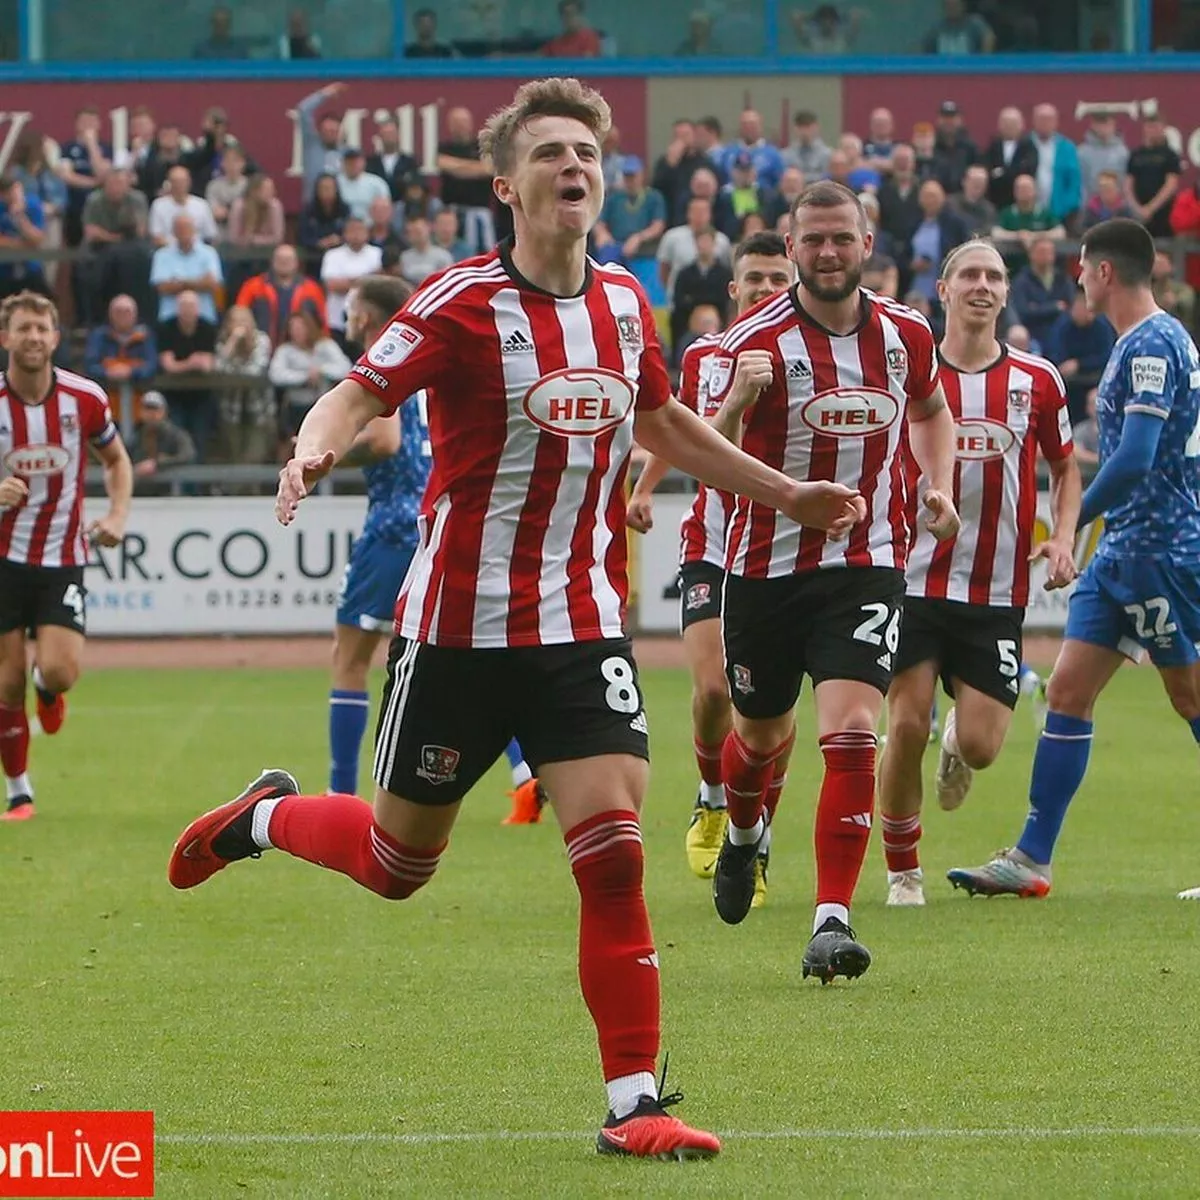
(1047, 1047)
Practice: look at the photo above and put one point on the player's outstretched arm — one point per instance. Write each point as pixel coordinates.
(118, 486)
(1113, 484)
(931, 435)
(1066, 490)
(327, 433)
(677, 435)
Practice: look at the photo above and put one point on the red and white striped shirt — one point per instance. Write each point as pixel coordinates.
(532, 400)
(702, 531)
(1002, 415)
(44, 444)
(836, 409)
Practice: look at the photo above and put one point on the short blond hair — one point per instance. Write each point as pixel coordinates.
(27, 301)
(554, 97)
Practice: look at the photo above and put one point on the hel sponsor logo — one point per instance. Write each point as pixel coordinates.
(851, 412)
(698, 595)
(394, 345)
(980, 439)
(629, 330)
(579, 401)
(77, 1154)
(1148, 374)
(719, 375)
(37, 459)
(439, 764)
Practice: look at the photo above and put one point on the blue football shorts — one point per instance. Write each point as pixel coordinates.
(371, 583)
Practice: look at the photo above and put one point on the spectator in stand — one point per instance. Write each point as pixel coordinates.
(1109, 201)
(257, 219)
(320, 137)
(299, 41)
(247, 409)
(177, 202)
(186, 264)
(1185, 223)
(900, 202)
(1085, 433)
(304, 367)
(1152, 177)
(1102, 149)
(419, 202)
(445, 235)
(187, 347)
(746, 195)
(881, 141)
(884, 243)
(157, 442)
(466, 181)
(391, 164)
(1041, 291)
(21, 229)
(953, 150)
(673, 172)
(205, 158)
(926, 165)
(880, 272)
(30, 169)
(611, 159)
(340, 267)
(381, 225)
(859, 176)
(1079, 343)
(806, 150)
(122, 352)
(705, 280)
(632, 219)
(972, 203)
(422, 257)
(959, 32)
(83, 164)
(791, 184)
(357, 186)
(224, 189)
(918, 301)
(425, 43)
(323, 221)
(1018, 225)
(680, 246)
(143, 136)
(578, 39)
(699, 41)
(1018, 337)
(704, 186)
(1009, 154)
(824, 30)
(767, 159)
(165, 153)
(1059, 183)
(275, 295)
(221, 41)
(939, 231)
(708, 142)
(117, 258)
(839, 168)
(1173, 296)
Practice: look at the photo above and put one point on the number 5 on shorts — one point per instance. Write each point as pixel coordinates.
(1010, 664)
(621, 695)
(73, 599)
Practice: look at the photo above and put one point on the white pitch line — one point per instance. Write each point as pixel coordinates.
(1077, 1132)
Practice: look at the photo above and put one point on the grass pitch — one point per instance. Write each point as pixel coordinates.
(297, 1037)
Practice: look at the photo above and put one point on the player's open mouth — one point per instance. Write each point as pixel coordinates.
(573, 194)
(982, 304)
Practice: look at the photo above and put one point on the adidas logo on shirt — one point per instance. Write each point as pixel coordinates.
(885, 661)
(516, 343)
(799, 370)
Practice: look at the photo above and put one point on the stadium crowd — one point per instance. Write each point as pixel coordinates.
(221, 317)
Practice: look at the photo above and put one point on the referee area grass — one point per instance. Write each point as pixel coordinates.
(298, 1037)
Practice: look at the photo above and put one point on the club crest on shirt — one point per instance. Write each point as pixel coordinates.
(68, 422)
(698, 595)
(1019, 399)
(439, 764)
(897, 361)
(629, 330)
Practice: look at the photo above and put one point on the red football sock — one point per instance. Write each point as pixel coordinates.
(618, 968)
(900, 838)
(339, 832)
(844, 810)
(747, 773)
(14, 740)
(778, 776)
(708, 759)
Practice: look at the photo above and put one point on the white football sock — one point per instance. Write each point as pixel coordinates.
(260, 823)
(625, 1092)
(521, 773)
(747, 837)
(18, 785)
(825, 911)
(712, 795)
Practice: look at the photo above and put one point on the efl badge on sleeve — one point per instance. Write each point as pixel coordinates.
(719, 375)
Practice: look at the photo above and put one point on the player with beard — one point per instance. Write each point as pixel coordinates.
(824, 381)
(965, 596)
(761, 268)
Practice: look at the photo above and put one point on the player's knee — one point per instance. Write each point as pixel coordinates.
(978, 748)
(710, 698)
(1067, 696)
(12, 688)
(1185, 698)
(909, 727)
(59, 676)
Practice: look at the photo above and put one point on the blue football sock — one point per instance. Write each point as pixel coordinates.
(347, 723)
(1195, 725)
(1058, 769)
